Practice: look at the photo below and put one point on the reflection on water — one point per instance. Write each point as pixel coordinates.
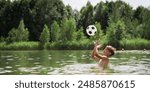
(72, 62)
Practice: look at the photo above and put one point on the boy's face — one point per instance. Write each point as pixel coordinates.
(106, 52)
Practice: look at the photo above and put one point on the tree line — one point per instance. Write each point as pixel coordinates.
(51, 21)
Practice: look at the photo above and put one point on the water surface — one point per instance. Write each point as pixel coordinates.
(71, 62)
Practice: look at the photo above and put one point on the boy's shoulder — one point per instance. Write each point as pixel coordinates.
(105, 57)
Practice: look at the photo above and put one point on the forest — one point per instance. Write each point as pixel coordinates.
(49, 24)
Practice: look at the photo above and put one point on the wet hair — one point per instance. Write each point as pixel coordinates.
(111, 50)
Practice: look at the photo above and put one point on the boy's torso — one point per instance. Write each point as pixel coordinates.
(103, 62)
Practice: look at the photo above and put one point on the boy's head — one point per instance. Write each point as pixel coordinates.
(109, 51)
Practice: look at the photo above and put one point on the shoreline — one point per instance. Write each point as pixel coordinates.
(65, 46)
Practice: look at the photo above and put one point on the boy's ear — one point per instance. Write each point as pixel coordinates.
(109, 54)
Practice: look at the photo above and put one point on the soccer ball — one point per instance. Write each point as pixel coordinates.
(91, 30)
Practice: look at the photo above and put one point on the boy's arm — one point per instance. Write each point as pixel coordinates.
(95, 54)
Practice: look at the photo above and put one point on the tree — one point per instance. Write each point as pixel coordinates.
(35, 13)
(142, 14)
(2, 39)
(64, 25)
(115, 33)
(86, 16)
(71, 29)
(23, 33)
(133, 29)
(68, 29)
(19, 34)
(76, 15)
(101, 14)
(44, 37)
(138, 14)
(12, 35)
(46, 12)
(99, 33)
(55, 31)
(70, 12)
(146, 26)
(80, 34)
(5, 17)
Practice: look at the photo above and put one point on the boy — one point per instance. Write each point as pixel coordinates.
(104, 58)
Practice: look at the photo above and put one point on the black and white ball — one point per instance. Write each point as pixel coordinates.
(91, 30)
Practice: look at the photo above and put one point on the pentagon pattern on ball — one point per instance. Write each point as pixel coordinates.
(91, 30)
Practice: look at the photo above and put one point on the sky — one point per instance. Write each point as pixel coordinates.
(78, 4)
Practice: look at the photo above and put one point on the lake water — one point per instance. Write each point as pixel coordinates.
(49, 62)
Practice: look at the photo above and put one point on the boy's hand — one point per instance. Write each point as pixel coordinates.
(98, 46)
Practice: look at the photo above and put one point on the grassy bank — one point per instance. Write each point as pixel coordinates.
(73, 45)
(135, 44)
(19, 46)
(132, 44)
(70, 45)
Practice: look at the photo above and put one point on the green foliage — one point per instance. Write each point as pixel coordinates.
(80, 35)
(68, 30)
(146, 27)
(19, 34)
(115, 21)
(23, 32)
(2, 39)
(86, 16)
(12, 35)
(76, 15)
(138, 14)
(70, 45)
(19, 46)
(36, 13)
(64, 25)
(71, 29)
(135, 44)
(44, 37)
(101, 14)
(99, 34)
(70, 12)
(115, 33)
(55, 32)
